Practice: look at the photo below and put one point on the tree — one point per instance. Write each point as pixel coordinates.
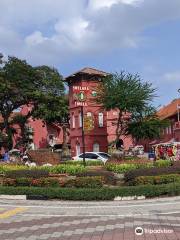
(56, 111)
(21, 84)
(146, 126)
(132, 99)
(26, 131)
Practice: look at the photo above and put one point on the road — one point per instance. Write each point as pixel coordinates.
(158, 219)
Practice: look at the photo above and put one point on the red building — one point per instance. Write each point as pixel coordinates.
(172, 113)
(44, 134)
(170, 133)
(82, 93)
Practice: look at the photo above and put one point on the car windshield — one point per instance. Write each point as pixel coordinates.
(104, 155)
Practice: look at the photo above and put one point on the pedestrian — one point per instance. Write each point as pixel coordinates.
(6, 156)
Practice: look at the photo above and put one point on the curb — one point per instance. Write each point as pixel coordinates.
(41, 197)
(13, 197)
(130, 198)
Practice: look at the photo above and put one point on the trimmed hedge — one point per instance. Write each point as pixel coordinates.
(79, 182)
(162, 179)
(94, 194)
(23, 173)
(88, 162)
(85, 182)
(163, 163)
(5, 168)
(65, 168)
(125, 167)
(131, 175)
(108, 177)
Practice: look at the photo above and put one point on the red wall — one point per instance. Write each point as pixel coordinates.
(98, 134)
(42, 131)
(101, 135)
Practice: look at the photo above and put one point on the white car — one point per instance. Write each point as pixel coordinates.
(102, 156)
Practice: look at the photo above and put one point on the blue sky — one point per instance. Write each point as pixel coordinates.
(133, 35)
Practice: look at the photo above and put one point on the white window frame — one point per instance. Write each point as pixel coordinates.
(100, 119)
(89, 114)
(170, 130)
(80, 120)
(167, 130)
(96, 145)
(73, 121)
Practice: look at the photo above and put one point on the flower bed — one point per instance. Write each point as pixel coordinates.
(78, 182)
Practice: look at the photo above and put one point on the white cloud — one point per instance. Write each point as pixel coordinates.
(35, 38)
(74, 28)
(46, 32)
(172, 76)
(98, 4)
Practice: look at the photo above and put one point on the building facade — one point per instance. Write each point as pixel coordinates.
(44, 135)
(82, 93)
(171, 133)
(172, 113)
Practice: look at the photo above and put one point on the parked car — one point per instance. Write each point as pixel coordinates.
(102, 156)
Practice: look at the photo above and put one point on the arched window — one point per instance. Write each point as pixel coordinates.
(89, 114)
(96, 147)
(80, 120)
(100, 119)
(73, 121)
(78, 149)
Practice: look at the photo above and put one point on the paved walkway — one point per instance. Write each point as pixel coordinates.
(153, 219)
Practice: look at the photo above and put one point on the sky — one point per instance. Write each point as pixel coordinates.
(137, 36)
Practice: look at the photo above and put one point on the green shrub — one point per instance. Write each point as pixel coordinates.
(23, 181)
(38, 182)
(49, 182)
(24, 171)
(32, 173)
(85, 182)
(65, 168)
(96, 193)
(45, 182)
(162, 179)
(88, 162)
(108, 177)
(6, 168)
(163, 163)
(130, 176)
(125, 167)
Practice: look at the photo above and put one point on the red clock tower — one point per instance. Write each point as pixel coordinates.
(82, 93)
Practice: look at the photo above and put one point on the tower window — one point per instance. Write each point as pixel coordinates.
(100, 119)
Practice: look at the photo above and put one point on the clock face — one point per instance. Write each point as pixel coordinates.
(81, 96)
(94, 93)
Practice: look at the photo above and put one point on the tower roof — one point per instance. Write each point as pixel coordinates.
(169, 110)
(87, 71)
